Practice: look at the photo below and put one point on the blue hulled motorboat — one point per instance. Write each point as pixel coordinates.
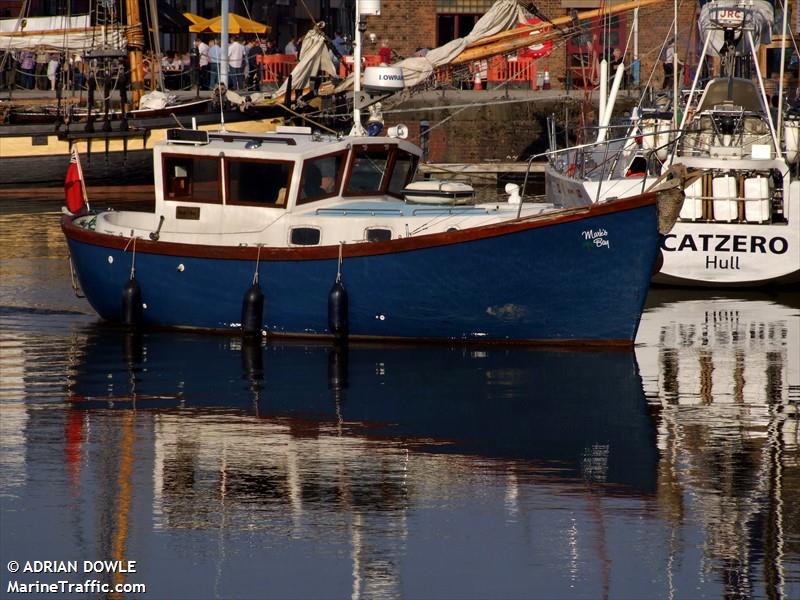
(300, 234)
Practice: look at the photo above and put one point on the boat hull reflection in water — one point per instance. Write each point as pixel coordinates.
(492, 403)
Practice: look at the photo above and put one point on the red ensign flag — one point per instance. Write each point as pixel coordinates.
(73, 184)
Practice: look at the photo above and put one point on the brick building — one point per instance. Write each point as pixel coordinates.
(411, 24)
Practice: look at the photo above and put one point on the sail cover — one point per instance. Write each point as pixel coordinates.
(314, 57)
(74, 34)
(503, 15)
(756, 16)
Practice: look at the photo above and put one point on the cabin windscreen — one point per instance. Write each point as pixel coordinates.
(368, 171)
(257, 183)
(405, 165)
(322, 177)
(191, 178)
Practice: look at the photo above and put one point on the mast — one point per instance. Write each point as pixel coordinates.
(779, 126)
(675, 91)
(135, 40)
(224, 65)
(358, 129)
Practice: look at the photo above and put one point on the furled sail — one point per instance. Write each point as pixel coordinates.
(73, 34)
(314, 58)
(502, 16)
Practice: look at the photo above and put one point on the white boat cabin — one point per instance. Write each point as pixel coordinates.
(293, 188)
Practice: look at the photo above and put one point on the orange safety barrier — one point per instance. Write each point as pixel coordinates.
(498, 69)
(522, 69)
(276, 67)
(368, 60)
(444, 75)
(372, 60)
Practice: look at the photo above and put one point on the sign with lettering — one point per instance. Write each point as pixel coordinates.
(725, 251)
(729, 16)
(596, 238)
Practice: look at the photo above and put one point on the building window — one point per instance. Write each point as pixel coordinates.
(456, 18)
(478, 7)
(451, 27)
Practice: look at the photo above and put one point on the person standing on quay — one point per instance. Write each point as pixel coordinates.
(669, 71)
(236, 55)
(213, 64)
(385, 53)
(42, 58)
(291, 47)
(203, 60)
(254, 50)
(53, 70)
(27, 62)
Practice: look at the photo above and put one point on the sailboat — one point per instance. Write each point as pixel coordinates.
(117, 141)
(740, 222)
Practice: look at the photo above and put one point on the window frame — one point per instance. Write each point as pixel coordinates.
(409, 177)
(165, 178)
(229, 201)
(339, 177)
(391, 159)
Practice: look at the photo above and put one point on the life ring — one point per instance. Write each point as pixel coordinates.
(535, 51)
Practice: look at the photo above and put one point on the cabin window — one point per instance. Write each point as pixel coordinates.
(379, 235)
(304, 236)
(367, 171)
(257, 183)
(405, 165)
(191, 179)
(322, 177)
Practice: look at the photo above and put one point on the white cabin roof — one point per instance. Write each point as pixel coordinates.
(277, 145)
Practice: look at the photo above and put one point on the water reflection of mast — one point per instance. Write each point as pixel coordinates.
(725, 374)
(124, 495)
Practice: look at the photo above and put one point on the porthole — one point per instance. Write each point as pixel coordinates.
(304, 236)
(379, 235)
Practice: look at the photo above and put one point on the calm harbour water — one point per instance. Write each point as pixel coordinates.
(293, 470)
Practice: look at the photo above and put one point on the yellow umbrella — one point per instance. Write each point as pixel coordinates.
(236, 24)
(195, 19)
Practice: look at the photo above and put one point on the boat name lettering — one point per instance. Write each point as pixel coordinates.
(708, 242)
(598, 237)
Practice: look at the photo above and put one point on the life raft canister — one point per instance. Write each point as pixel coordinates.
(539, 50)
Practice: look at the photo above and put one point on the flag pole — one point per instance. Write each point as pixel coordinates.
(80, 176)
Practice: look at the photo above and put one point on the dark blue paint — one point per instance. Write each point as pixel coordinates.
(545, 283)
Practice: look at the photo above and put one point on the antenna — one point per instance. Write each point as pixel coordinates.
(364, 8)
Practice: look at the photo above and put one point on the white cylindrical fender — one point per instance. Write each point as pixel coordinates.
(612, 99)
(791, 136)
(601, 113)
(663, 138)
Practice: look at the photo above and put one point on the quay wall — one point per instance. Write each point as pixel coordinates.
(486, 126)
